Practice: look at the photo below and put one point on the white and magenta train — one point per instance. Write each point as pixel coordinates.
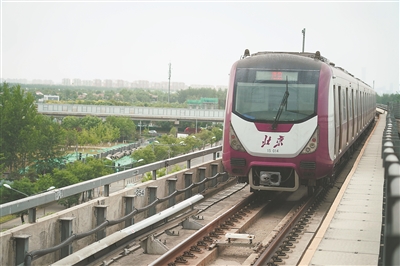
(291, 119)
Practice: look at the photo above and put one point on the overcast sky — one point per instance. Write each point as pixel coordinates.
(137, 40)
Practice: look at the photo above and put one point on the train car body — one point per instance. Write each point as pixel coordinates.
(290, 119)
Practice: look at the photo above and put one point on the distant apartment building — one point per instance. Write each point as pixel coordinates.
(66, 82)
(108, 83)
(17, 81)
(97, 83)
(76, 82)
(140, 84)
(42, 81)
(87, 83)
(51, 97)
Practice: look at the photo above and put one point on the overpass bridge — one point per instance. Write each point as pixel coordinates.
(134, 112)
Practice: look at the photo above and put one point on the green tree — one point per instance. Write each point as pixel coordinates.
(146, 154)
(63, 178)
(71, 122)
(127, 127)
(49, 138)
(17, 115)
(89, 122)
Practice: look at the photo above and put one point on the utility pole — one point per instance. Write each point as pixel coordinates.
(169, 80)
(304, 37)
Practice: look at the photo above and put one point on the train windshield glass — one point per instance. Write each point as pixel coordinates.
(258, 94)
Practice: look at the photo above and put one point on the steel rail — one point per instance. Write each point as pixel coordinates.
(269, 251)
(177, 251)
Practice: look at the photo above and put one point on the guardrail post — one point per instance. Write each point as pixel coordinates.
(107, 190)
(188, 164)
(188, 182)
(32, 215)
(129, 208)
(171, 189)
(202, 176)
(21, 248)
(152, 198)
(392, 227)
(66, 232)
(154, 174)
(214, 171)
(100, 213)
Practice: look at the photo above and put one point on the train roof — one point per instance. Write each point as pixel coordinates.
(316, 55)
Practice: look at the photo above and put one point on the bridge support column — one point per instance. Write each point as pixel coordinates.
(171, 189)
(129, 208)
(152, 198)
(100, 213)
(188, 182)
(202, 176)
(214, 171)
(21, 248)
(66, 232)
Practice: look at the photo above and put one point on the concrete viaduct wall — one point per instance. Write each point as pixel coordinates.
(46, 232)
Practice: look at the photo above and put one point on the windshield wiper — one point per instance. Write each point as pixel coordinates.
(283, 103)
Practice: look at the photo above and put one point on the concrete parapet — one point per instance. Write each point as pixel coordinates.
(46, 232)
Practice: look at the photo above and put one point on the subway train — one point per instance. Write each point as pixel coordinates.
(291, 119)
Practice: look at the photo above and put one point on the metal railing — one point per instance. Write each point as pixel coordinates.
(390, 244)
(135, 112)
(37, 200)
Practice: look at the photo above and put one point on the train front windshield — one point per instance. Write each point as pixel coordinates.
(258, 94)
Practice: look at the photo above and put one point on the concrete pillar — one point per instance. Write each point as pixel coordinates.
(214, 171)
(32, 215)
(129, 208)
(171, 189)
(188, 182)
(101, 215)
(21, 248)
(107, 190)
(202, 176)
(66, 232)
(152, 197)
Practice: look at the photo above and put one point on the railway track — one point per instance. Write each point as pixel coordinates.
(245, 228)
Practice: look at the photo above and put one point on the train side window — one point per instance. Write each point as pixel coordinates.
(344, 105)
(351, 104)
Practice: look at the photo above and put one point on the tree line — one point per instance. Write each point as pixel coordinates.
(34, 147)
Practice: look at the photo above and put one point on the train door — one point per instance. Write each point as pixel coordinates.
(341, 105)
(351, 115)
(344, 118)
(336, 111)
(355, 112)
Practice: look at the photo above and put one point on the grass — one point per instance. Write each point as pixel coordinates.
(7, 218)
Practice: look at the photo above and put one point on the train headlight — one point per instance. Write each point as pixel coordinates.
(234, 142)
(312, 143)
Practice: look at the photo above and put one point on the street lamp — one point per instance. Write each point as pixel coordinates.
(9, 187)
(32, 211)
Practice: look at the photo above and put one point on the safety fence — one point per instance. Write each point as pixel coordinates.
(390, 244)
(74, 237)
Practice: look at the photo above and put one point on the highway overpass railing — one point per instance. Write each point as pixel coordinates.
(135, 112)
